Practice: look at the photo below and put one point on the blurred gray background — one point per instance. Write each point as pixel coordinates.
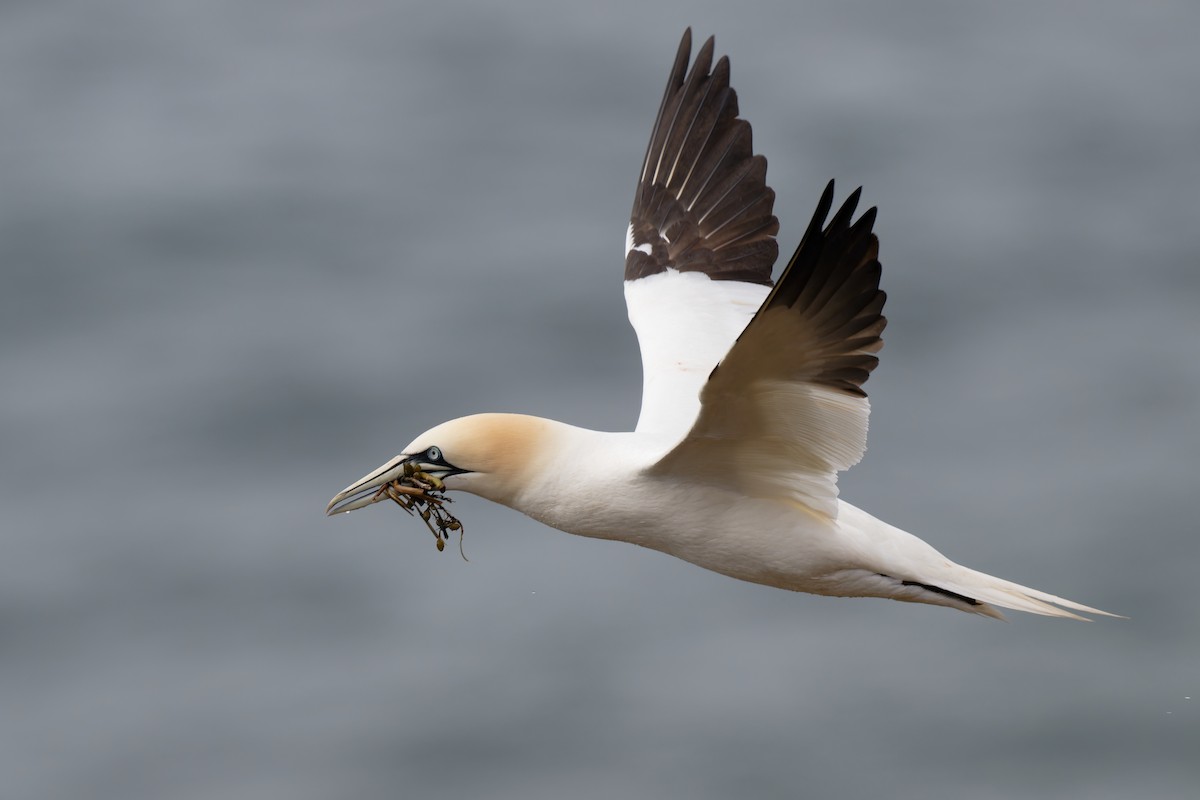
(250, 249)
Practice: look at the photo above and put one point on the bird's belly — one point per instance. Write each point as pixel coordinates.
(772, 542)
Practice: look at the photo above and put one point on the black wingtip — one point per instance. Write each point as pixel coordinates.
(703, 62)
(822, 211)
(844, 214)
(679, 68)
(702, 203)
(855, 196)
(827, 196)
(867, 221)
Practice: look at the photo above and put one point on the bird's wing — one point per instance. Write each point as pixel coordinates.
(701, 239)
(785, 410)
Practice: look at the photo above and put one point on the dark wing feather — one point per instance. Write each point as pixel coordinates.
(785, 410)
(702, 203)
(831, 286)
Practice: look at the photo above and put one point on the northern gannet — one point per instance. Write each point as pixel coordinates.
(752, 397)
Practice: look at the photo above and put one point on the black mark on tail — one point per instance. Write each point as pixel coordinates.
(971, 601)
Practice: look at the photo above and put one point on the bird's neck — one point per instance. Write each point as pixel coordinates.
(580, 481)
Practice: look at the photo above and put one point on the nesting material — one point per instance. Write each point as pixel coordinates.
(421, 494)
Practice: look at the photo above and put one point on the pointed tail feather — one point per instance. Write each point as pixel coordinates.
(992, 591)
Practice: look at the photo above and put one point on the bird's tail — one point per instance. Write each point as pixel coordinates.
(968, 590)
(900, 566)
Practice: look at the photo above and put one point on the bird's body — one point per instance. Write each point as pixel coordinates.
(752, 392)
(603, 485)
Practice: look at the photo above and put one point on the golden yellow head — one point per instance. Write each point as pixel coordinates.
(491, 455)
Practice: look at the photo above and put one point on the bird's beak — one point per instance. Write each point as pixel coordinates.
(365, 490)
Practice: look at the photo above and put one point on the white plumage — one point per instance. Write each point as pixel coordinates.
(752, 396)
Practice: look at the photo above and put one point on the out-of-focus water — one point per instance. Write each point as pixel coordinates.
(250, 249)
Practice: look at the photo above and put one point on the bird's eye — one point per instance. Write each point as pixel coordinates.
(433, 454)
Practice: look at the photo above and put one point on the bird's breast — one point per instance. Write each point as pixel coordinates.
(762, 540)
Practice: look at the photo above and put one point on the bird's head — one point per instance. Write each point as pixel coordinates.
(491, 455)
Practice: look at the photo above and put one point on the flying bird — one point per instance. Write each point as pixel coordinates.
(752, 395)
